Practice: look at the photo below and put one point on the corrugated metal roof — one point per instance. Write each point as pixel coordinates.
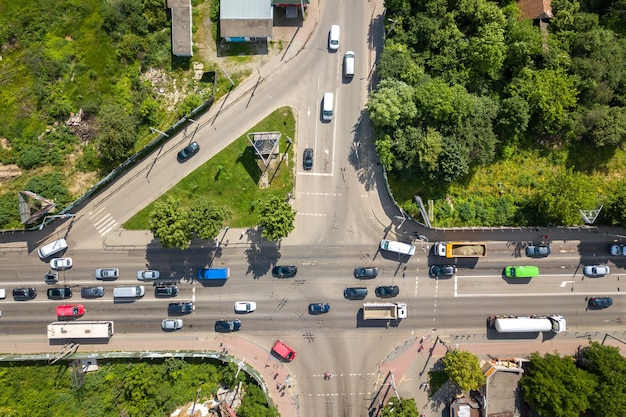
(246, 9)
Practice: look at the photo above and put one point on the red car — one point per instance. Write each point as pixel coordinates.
(284, 351)
(70, 310)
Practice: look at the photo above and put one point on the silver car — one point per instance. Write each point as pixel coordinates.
(148, 275)
(596, 270)
(107, 273)
(172, 324)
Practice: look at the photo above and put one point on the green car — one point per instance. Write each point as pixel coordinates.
(521, 271)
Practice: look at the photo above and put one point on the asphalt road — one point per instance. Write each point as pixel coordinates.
(343, 212)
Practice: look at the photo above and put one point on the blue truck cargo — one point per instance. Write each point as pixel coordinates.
(213, 273)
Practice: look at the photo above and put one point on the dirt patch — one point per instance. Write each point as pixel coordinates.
(9, 171)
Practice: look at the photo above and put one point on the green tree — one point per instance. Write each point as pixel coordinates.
(609, 366)
(117, 130)
(616, 208)
(391, 104)
(170, 225)
(276, 217)
(50, 186)
(384, 147)
(550, 94)
(606, 126)
(463, 368)
(513, 118)
(554, 386)
(487, 51)
(398, 62)
(406, 407)
(561, 197)
(205, 219)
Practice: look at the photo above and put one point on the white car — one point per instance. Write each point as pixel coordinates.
(60, 264)
(148, 275)
(172, 324)
(596, 270)
(618, 250)
(3, 293)
(245, 306)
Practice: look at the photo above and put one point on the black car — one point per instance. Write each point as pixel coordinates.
(387, 291)
(365, 272)
(59, 293)
(23, 294)
(92, 292)
(227, 325)
(442, 270)
(600, 302)
(51, 277)
(285, 271)
(538, 251)
(189, 151)
(178, 309)
(319, 308)
(166, 291)
(355, 293)
(307, 160)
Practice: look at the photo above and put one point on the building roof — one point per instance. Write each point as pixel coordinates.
(536, 9)
(246, 18)
(246, 9)
(290, 2)
(181, 27)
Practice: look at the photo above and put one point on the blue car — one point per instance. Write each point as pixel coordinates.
(227, 325)
(189, 151)
(319, 308)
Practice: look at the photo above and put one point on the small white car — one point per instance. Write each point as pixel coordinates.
(245, 306)
(596, 270)
(148, 275)
(618, 250)
(172, 324)
(3, 293)
(60, 264)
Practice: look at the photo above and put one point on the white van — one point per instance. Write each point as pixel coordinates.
(137, 291)
(327, 107)
(348, 64)
(52, 248)
(333, 38)
(399, 247)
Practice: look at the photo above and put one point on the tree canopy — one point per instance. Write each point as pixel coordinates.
(463, 368)
(466, 83)
(554, 386)
(174, 226)
(276, 217)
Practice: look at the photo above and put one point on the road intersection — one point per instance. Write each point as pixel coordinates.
(343, 211)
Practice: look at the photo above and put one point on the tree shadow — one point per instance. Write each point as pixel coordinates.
(261, 255)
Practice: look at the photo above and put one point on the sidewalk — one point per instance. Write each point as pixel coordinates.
(410, 365)
(280, 385)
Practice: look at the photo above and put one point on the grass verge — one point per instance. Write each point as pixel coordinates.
(231, 178)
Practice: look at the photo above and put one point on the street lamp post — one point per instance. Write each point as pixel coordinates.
(55, 216)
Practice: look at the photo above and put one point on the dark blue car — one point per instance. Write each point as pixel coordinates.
(189, 151)
(319, 308)
(227, 325)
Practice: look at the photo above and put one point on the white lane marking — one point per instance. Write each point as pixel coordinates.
(322, 194)
(536, 294)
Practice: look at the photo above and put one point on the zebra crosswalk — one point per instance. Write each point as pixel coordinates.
(103, 221)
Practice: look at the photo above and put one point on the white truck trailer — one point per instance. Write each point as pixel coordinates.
(80, 330)
(528, 324)
(384, 311)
